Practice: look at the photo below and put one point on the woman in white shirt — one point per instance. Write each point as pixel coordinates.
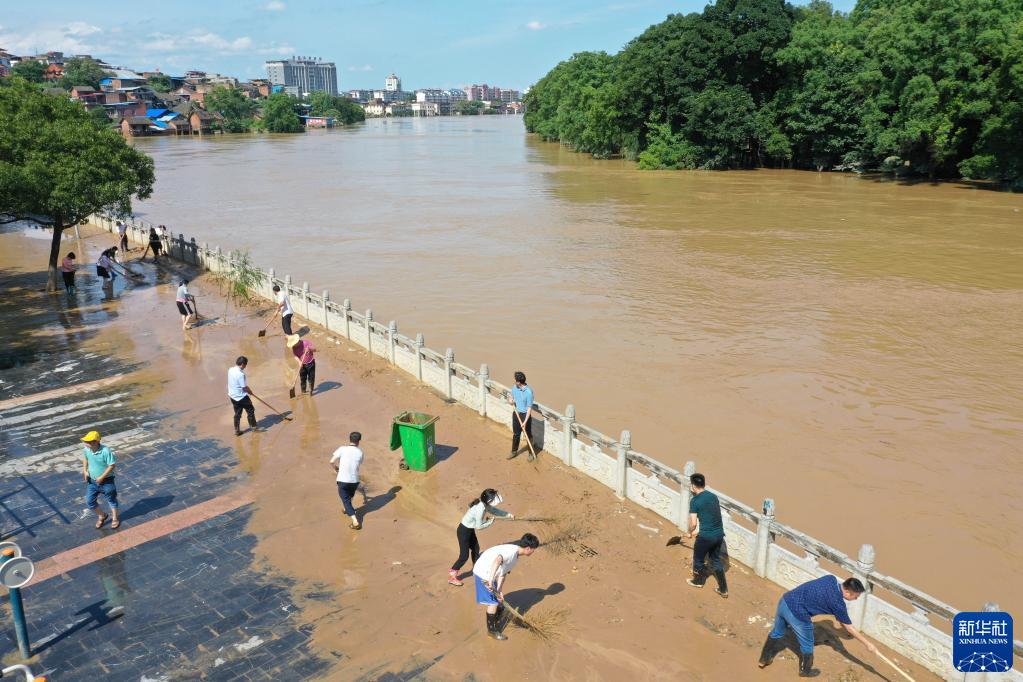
(479, 516)
(490, 572)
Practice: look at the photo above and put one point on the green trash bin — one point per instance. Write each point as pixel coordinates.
(414, 432)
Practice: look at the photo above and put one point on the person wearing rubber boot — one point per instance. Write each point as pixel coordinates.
(481, 514)
(823, 596)
(490, 572)
(705, 513)
(522, 400)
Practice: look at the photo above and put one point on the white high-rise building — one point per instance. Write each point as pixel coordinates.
(303, 75)
(392, 83)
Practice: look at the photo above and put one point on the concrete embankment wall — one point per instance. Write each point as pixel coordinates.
(903, 618)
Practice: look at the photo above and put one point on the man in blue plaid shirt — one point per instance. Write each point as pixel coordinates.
(823, 596)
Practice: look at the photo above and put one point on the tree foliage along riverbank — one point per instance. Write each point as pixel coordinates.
(931, 87)
(58, 166)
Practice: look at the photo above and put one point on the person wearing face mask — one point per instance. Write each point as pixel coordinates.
(481, 514)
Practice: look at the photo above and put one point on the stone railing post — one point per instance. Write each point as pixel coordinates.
(685, 495)
(991, 677)
(449, 359)
(287, 287)
(305, 300)
(864, 567)
(218, 258)
(270, 277)
(567, 437)
(622, 477)
(369, 330)
(392, 330)
(200, 258)
(764, 536)
(326, 315)
(484, 376)
(420, 342)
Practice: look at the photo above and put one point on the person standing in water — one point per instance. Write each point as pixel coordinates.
(183, 301)
(481, 515)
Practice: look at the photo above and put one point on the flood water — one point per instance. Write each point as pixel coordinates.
(851, 348)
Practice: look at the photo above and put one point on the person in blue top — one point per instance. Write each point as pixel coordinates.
(705, 512)
(823, 596)
(98, 471)
(522, 399)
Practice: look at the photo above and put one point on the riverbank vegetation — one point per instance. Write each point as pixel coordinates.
(927, 87)
(58, 166)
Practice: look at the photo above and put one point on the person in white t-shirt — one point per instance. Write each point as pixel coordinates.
(284, 308)
(346, 461)
(490, 571)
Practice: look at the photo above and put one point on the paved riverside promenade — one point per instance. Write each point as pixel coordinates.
(233, 561)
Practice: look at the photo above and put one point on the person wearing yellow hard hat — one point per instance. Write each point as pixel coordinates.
(98, 463)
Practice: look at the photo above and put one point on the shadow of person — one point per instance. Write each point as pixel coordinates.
(826, 634)
(527, 598)
(97, 614)
(325, 386)
(372, 503)
(145, 506)
(266, 421)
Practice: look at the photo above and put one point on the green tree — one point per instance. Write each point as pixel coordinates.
(58, 167)
(343, 109)
(466, 107)
(237, 109)
(99, 117)
(279, 114)
(160, 83)
(82, 72)
(30, 70)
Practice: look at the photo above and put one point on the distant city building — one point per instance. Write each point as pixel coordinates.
(361, 95)
(301, 75)
(477, 92)
(427, 108)
(457, 95)
(226, 81)
(506, 95)
(388, 95)
(392, 83)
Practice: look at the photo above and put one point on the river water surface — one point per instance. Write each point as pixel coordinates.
(851, 348)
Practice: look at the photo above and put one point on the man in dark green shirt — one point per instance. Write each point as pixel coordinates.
(705, 512)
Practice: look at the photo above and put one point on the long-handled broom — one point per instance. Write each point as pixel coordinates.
(282, 416)
(544, 624)
(262, 332)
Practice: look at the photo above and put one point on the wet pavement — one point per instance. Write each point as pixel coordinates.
(185, 603)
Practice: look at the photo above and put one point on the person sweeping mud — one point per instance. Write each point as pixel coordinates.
(705, 513)
(480, 516)
(490, 572)
(67, 271)
(283, 309)
(155, 243)
(304, 352)
(823, 596)
(184, 301)
(238, 391)
(522, 400)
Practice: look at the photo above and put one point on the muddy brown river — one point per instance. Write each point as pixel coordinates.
(851, 347)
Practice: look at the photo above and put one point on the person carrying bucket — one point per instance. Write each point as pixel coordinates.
(482, 511)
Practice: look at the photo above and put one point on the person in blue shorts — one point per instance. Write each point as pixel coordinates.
(490, 571)
(98, 470)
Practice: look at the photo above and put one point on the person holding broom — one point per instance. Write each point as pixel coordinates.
(705, 513)
(183, 299)
(490, 572)
(303, 351)
(480, 516)
(796, 608)
(238, 391)
(522, 400)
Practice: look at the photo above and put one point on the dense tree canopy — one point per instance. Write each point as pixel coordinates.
(279, 114)
(160, 82)
(31, 70)
(930, 87)
(343, 109)
(237, 109)
(82, 72)
(58, 167)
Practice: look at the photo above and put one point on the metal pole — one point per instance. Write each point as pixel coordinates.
(20, 626)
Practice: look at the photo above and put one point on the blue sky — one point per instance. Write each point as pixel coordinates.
(429, 43)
